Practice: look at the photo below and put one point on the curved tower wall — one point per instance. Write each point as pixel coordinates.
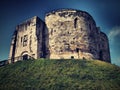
(104, 52)
(73, 34)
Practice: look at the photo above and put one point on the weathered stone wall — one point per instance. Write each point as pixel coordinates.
(104, 48)
(73, 33)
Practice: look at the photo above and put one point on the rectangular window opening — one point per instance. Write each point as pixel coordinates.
(25, 39)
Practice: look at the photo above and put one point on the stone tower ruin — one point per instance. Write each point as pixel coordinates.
(68, 33)
(29, 40)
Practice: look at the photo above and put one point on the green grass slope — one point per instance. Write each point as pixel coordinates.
(45, 74)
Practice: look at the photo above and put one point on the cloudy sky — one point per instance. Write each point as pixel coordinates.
(105, 12)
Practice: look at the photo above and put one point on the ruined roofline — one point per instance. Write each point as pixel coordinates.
(78, 12)
(59, 10)
(63, 9)
(103, 34)
(29, 21)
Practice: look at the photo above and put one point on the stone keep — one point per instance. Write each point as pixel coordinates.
(73, 34)
(67, 34)
(29, 40)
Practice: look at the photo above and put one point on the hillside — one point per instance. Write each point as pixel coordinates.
(45, 74)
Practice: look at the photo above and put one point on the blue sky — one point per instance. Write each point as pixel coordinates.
(105, 13)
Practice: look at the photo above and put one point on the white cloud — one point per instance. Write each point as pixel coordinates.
(113, 33)
(113, 36)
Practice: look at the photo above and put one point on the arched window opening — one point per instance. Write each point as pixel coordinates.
(75, 23)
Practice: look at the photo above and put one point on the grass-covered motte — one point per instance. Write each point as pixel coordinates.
(45, 74)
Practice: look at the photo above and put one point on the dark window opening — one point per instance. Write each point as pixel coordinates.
(72, 57)
(25, 39)
(25, 57)
(83, 58)
(21, 39)
(75, 22)
(77, 50)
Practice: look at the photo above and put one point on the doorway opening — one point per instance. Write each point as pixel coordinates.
(72, 57)
(25, 57)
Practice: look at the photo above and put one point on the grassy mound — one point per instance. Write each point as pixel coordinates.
(45, 74)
